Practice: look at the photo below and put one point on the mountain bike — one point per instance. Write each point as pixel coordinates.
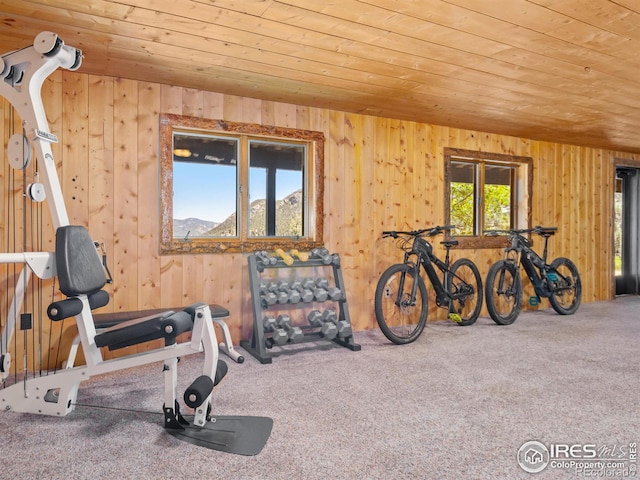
(558, 281)
(401, 299)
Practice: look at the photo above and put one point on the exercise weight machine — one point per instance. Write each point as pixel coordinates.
(80, 273)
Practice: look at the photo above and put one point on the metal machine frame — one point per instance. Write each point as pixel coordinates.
(22, 74)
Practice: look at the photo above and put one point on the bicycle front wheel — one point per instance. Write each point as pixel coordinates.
(400, 316)
(465, 287)
(503, 292)
(566, 289)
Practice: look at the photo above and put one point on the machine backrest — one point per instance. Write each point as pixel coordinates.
(80, 271)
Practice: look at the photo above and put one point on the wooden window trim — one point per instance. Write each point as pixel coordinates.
(524, 218)
(315, 183)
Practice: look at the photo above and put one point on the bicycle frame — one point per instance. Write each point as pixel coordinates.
(534, 266)
(423, 250)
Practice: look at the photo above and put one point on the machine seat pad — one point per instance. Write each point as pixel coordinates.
(167, 325)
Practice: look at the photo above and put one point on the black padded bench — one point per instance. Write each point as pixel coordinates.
(113, 319)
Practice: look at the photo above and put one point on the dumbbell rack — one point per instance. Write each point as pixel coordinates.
(258, 271)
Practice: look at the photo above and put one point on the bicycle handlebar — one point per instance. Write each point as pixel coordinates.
(431, 231)
(537, 229)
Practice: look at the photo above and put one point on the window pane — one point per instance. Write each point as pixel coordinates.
(276, 195)
(462, 201)
(204, 186)
(497, 197)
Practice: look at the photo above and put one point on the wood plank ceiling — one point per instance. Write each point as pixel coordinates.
(558, 70)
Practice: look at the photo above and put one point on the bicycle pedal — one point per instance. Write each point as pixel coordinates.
(454, 317)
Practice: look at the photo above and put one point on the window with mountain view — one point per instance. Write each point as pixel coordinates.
(239, 187)
(486, 191)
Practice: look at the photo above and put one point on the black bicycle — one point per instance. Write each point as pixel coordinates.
(559, 281)
(401, 299)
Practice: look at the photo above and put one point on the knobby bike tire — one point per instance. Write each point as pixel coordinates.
(503, 292)
(465, 280)
(404, 322)
(565, 285)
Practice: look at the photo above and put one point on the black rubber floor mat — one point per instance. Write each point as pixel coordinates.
(231, 434)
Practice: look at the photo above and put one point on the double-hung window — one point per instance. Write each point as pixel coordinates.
(230, 187)
(486, 191)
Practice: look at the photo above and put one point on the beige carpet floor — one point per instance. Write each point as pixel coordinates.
(456, 404)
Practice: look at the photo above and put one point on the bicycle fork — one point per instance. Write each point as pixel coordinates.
(508, 290)
(401, 300)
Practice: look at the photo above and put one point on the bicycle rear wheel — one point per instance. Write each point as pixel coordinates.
(566, 288)
(503, 292)
(465, 286)
(400, 317)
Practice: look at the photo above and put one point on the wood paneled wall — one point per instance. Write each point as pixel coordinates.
(380, 174)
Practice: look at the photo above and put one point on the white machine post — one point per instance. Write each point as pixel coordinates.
(21, 77)
(22, 74)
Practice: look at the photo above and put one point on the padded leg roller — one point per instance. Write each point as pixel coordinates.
(198, 391)
(64, 309)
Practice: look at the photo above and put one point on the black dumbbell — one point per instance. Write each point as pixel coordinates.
(295, 333)
(334, 293)
(306, 295)
(278, 336)
(308, 283)
(327, 329)
(268, 299)
(264, 259)
(322, 254)
(343, 327)
(329, 315)
(261, 260)
(294, 296)
(320, 294)
(319, 287)
(295, 289)
(281, 296)
(266, 296)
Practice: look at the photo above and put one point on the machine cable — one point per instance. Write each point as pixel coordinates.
(12, 238)
(119, 409)
(25, 282)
